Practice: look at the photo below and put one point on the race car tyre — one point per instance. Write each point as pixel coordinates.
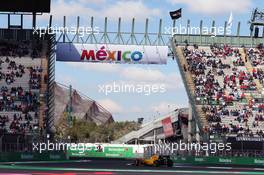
(169, 163)
(156, 163)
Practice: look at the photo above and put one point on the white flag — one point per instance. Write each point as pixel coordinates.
(230, 20)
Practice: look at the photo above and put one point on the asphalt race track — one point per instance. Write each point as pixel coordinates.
(115, 167)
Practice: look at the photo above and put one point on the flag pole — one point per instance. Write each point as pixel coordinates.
(173, 26)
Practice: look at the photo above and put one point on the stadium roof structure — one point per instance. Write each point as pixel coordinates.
(211, 37)
(67, 35)
(82, 107)
(206, 40)
(151, 131)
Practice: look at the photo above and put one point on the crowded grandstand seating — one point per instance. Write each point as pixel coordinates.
(20, 82)
(228, 86)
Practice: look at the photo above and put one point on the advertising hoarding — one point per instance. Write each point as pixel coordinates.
(105, 53)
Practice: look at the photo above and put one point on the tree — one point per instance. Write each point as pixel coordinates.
(84, 131)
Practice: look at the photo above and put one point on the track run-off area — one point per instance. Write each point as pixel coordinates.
(116, 167)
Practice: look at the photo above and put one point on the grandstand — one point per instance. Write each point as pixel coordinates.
(25, 85)
(223, 77)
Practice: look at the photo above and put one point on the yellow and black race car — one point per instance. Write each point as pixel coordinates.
(155, 160)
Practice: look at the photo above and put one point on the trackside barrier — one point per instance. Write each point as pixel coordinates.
(34, 156)
(219, 160)
(106, 151)
(111, 152)
(118, 153)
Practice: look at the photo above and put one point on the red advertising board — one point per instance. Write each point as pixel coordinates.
(167, 127)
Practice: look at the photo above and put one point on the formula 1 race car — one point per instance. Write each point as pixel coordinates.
(155, 160)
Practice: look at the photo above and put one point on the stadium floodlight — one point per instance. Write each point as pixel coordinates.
(256, 21)
(34, 6)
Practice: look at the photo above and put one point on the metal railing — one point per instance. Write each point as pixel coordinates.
(206, 40)
(51, 83)
(191, 97)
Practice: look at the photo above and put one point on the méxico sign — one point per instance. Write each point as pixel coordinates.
(105, 53)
